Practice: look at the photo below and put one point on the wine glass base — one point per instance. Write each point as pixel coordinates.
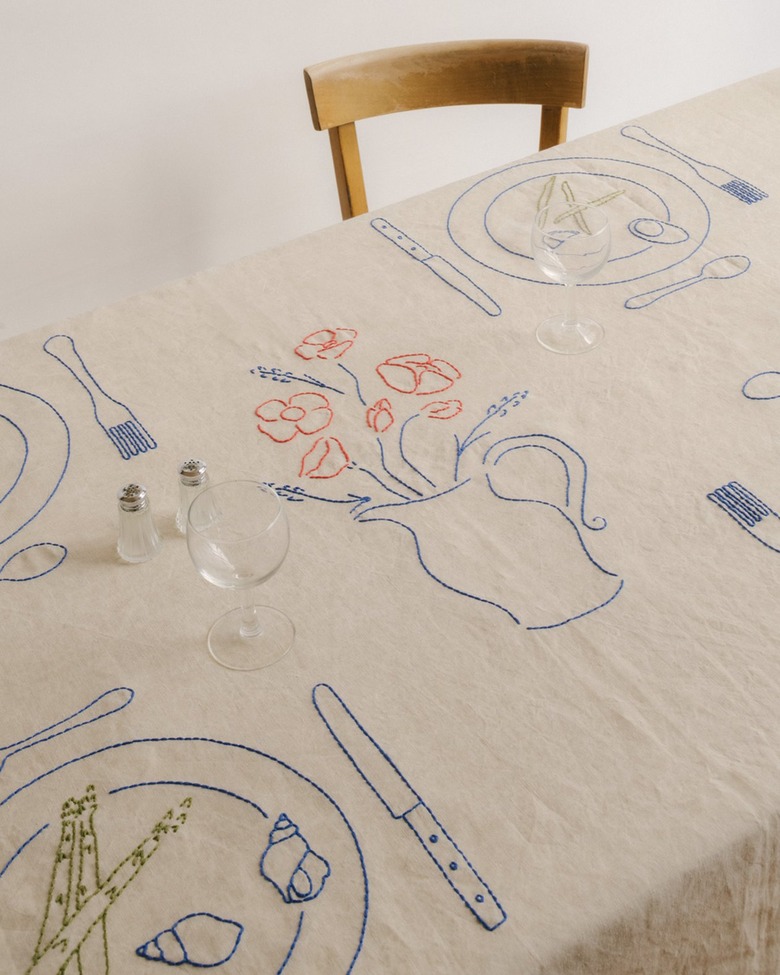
(569, 338)
(236, 652)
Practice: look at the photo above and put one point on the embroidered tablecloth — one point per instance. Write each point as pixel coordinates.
(530, 720)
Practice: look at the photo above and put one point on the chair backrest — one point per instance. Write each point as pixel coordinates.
(552, 74)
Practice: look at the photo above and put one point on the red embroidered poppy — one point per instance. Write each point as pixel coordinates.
(442, 409)
(327, 343)
(418, 373)
(305, 413)
(380, 416)
(327, 458)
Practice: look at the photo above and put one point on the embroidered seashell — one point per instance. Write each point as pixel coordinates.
(201, 939)
(290, 864)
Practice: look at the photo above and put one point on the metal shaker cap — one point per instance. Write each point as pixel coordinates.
(192, 473)
(133, 497)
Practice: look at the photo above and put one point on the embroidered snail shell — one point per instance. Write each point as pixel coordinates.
(200, 939)
(290, 864)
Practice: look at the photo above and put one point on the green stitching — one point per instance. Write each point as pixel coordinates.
(77, 902)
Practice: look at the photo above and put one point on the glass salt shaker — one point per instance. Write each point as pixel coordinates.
(138, 537)
(193, 478)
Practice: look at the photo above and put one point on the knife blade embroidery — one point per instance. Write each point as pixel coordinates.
(441, 267)
(383, 777)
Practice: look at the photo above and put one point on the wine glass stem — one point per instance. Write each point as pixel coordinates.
(250, 625)
(570, 310)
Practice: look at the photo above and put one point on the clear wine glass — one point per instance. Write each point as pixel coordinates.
(238, 536)
(570, 243)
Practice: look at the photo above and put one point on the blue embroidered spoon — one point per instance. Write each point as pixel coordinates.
(109, 702)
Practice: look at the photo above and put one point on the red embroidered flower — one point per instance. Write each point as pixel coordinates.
(327, 458)
(442, 409)
(380, 416)
(305, 413)
(327, 343)
(418, 373)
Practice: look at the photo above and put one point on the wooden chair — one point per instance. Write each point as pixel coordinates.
(551, 74)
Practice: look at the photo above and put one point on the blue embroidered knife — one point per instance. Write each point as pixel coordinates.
(403, 803)
(440, 266)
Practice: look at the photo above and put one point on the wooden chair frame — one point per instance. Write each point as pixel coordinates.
(552, 74)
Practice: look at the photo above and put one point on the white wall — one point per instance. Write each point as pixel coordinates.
(141, 140)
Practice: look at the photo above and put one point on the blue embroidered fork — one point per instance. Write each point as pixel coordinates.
(120, 425)
(749, 512)
(714, 175)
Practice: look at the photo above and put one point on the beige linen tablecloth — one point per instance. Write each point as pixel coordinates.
(545, 586)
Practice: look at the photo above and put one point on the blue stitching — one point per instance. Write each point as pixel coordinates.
(769, 372)
(35, 738)
(26, 453)
(59, 416)
(355, 380)
(365, 470)
(737, 187)
(675, 286)
(495, 308)
(24, 845)
(587, 612)
(495, 411)
(561, 512)
(420, 802)
(187, 960)
(293, 944)
(363, 519)
(744, 508)
(38, 575)
(290, 893)
(578, 159)
(275, 374)
(538, 446)
(190, 785)
(599, 523)
(115, 434)
(295, 493)
(387, 470)
(405, 459)
(241, 747)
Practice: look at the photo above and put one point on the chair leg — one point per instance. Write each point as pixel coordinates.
(349, 170)
(554, 125)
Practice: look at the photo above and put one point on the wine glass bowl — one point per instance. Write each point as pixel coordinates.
(237, 537)
(570, 243)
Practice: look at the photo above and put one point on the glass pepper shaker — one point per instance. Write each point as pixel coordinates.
(193, 478)
(138, 537)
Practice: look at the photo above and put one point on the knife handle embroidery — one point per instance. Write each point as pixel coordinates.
(440, 266)
(404, 804)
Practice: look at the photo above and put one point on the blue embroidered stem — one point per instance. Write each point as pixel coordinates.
(387, 470)
(405, 459)
(365, 470)
(289, 492)
(277, 375)
(355, 380)
(495, 411)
